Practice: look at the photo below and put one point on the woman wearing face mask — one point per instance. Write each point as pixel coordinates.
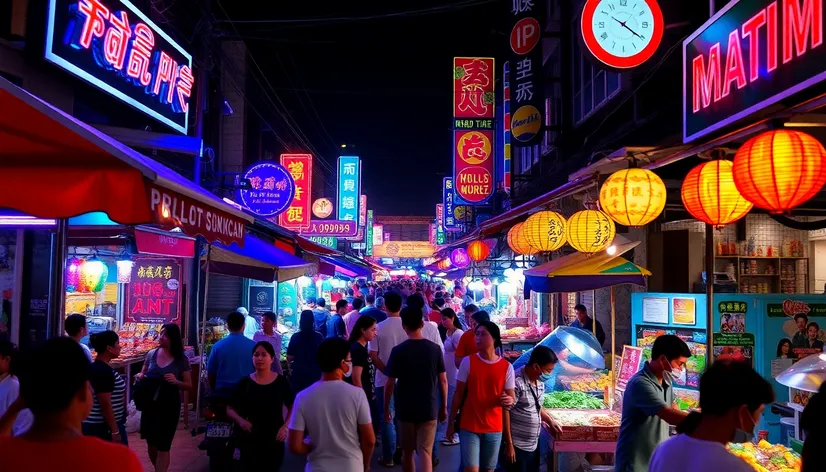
(732, 399)
(257, 408)
(521, 450)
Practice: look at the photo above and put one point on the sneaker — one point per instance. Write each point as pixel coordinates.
(385, 463)
(451, 442)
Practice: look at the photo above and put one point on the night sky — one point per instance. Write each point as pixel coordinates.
(382, 84)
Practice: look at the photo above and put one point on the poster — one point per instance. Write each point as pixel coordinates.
(629, 365)
(261, 299)
(732, 316)
(696, 340)
(655, 310)
(154, 294)
(684, 311)
(288, 304)
(737, 347)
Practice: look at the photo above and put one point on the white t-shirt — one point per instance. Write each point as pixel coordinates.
(430, 331)
(389, 335)
(450, 355)
(330, 412)
(464, 368)
(682, 453)
(9, 390)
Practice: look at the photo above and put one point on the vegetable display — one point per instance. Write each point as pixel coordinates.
(571, 400)
(767, 457)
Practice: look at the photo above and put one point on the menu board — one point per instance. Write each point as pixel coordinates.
(629, 365)
(153, 294)
(734, 346)
(655, 310)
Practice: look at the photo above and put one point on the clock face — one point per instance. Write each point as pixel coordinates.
(622, 33)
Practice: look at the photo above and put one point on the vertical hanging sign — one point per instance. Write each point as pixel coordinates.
(525, 69)
(300, 167)
(448, 200)
(368, 234)
(349, 188)
(440, 229)
(506, 111)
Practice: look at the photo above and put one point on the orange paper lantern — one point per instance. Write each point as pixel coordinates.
(478, 251)
(780, 169)
(545, 231)
(518, 241)
(710, 195)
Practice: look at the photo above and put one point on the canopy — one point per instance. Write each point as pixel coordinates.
(55, 166)
(577, 272)
(256, 260)
(346, 267)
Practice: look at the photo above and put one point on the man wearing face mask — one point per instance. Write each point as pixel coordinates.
(732, 398)
(647, 405)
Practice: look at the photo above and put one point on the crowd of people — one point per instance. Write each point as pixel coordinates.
(394, 364)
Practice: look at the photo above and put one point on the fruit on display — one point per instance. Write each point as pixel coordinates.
(766, 457)
(586, 383)
(521, 332)
(571, 400)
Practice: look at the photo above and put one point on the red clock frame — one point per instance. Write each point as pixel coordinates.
(610, 60)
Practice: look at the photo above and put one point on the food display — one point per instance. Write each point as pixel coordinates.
(586, 425)
(767, 457)
(596, 382)
(136, 339)
(696, 344)
(521, 332)
(512, 355)
(686, 400)
(572, 400)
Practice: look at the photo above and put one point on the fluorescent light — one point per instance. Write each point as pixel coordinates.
(11, 220)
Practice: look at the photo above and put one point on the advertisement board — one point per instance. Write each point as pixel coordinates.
(349, 188)
(154, 293)
(404, 249)
(271, 189)
(300, 167)
(526, 94)
(473, 165)
(473, 91)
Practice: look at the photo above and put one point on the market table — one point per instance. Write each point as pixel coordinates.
(579, 446)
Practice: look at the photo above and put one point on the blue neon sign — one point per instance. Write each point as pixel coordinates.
(271, 191)
(112, 45)
(349, 188)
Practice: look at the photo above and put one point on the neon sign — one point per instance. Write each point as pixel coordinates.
(750, 55)
(112, 45)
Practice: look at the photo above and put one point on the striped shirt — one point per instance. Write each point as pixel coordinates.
(105, 379)
(525, 420)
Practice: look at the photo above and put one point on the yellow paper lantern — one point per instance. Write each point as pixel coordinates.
(478, 251)
(710, 195)
(633, 197)
(545, 231)
(518, 241)
(590, 231)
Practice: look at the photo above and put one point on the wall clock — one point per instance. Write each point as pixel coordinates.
(622, 34)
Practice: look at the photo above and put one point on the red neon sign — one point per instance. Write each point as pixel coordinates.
(300, 167)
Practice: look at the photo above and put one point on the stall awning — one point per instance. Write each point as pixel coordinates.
(257, 260)
(55, 166)
(346, 267)
(578, 272)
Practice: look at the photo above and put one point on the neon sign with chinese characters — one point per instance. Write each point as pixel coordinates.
(349, 188)
(300, 167)
(114, 46)
(473, 85)
(271, 190)
(750, 55)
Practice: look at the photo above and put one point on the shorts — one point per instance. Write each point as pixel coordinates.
(417, 437)
(479, 449)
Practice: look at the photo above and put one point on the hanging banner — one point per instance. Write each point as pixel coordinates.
(440, 230)
(368, 234)
(154, 293)
(526, 79)
(331, 228)
(349, 188)
(271, 189)
(300, 167)
(448, 197)
(473, 165)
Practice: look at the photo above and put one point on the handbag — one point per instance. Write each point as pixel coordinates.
(145, 392)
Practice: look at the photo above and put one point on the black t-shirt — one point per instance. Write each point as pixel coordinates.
(361, 358)
(262, 405)
(416, 363)
(105, 379)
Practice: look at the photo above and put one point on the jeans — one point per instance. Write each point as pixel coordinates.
(480, 449)
(388, 430)
(526, 461)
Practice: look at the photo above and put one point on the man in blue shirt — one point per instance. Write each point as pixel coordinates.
(230, 359)
(585, 322)
(374, 308)
(321, 315)
(335, 326)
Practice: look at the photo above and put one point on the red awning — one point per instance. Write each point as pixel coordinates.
(55, 166)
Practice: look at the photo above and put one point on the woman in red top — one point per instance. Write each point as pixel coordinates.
(484, 385)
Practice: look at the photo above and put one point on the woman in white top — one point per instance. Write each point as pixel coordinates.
(10, 389)
(453, 332)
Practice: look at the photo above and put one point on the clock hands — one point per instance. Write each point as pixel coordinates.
(624, 25)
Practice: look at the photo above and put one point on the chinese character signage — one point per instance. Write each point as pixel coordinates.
(448, 198)
(112, 45)
(525, 66)
(473, 85)
(349, 188)
(271, 189)
(154, 293)
(473, 165)
(404, 249)
(378, 235)
(368, 234)
(506, 111)
(750, 55)
(439, 228)
(629, 365)
(363, 211)
(331, 228)
(300, 167)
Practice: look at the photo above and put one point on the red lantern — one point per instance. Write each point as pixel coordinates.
(710, 195)
(780, 169)
(478, 251)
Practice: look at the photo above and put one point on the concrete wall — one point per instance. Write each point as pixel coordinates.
(50, 87)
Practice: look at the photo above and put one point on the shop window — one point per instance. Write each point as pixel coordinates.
(593, 87)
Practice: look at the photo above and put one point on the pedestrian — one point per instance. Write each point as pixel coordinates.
(351, 317)
(436, 307)
(107, 419)
(811, 423)
(229, 361)
(521, 449)
(390, 334)
(250, 323)
(335, 325)
(257, 407)
(376, 310)
(334, 416)
(10, 389)
(363, 369)
(467, 343)
(270, 334)
(430, 330)
(75, 326)
(421, 398)
(484, 385)
(586, 323)
(732, 399)
(453, 332)
(301, 353)
(321, 316)
(168, 368)
(59, 402)
(647, 407)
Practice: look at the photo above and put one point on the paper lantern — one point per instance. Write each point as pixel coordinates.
(710, 195)
(590, 231)
(545, 231)
(518, 240)
(444, 264)
(93, 276)
(459, 258)
(633, 197)
(780, 169)
(478, 251)
(73, 267)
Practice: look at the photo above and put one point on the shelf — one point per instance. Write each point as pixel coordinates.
(758, 275)
(761, 257)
